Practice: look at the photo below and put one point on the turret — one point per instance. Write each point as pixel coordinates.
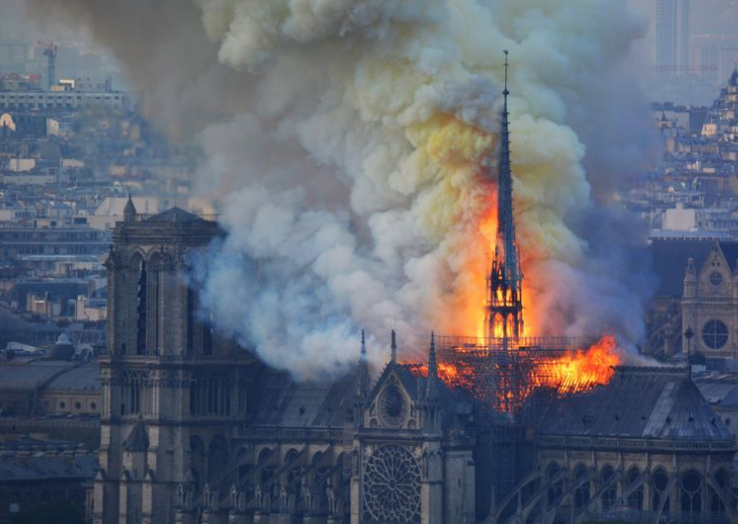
(362, 384)
(690, 280)
(432, 389)
(394, 348)
(129, 212)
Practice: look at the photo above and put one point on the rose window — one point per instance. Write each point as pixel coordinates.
(392, 407)
(391, 486)
(715, 334)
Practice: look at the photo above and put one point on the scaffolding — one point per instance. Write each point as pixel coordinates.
(512, 382)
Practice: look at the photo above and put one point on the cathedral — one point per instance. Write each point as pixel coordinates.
(196, 430)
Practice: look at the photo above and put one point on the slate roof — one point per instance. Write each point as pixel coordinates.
(82, 378)
(46, 466)
(24, 458)
(643, 402)
(277, 400)
(175, 214)
(670, 261)
(32, 375)
(719, 390)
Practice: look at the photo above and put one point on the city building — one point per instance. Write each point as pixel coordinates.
(37, 470)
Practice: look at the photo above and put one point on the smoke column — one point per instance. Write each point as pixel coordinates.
(350, 150)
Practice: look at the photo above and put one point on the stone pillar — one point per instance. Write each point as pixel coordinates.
(356, 483)
(431, 490)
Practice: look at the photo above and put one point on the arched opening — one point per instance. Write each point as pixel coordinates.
(635, 498)
(217, 458)
(660, 482)
(141, 305)
(198, 461)
(555, 490)
(607, 482)
(722, 481)
(581, 493)
(691, 493)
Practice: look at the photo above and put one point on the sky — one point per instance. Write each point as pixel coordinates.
(708, 17)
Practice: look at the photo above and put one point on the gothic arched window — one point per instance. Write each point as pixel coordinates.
(691, 496)
(609, 495)
(141, 310)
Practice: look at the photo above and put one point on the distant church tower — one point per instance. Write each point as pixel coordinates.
(172, 389)
(505, 281)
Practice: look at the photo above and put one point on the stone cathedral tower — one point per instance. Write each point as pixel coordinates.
(165, 374)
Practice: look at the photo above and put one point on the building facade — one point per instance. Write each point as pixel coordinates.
(710, 304)
(195, 430)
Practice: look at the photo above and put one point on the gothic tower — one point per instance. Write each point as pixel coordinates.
(172, 387)
(505, 281)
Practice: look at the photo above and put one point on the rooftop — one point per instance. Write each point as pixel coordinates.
(640, 402)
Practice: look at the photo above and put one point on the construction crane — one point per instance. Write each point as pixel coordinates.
(50, 54)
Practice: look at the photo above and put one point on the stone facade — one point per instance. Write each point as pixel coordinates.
(194, 430)
(710, 306)
(168, 381)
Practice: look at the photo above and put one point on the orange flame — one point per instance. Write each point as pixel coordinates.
(582, 370)
(574, 372)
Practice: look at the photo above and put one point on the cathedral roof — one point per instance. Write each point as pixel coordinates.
(175, 214)
(277, 400)
(639, 402)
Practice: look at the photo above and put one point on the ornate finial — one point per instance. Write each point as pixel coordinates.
(363, 383)
(432, 367)
(129, 211)
(432, 363)
(394, 347)
(506, 92)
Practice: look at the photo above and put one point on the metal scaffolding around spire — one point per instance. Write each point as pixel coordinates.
(504, 285)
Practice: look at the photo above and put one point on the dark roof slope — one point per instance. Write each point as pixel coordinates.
(175, 214)
(644, 402)
(277, 400)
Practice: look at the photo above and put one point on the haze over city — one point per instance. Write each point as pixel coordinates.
(368, 261)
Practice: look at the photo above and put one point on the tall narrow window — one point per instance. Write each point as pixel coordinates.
(157, 312)
(141, 311)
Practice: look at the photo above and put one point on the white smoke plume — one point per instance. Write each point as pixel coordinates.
(355, 173)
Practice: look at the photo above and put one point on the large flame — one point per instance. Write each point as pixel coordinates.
(583, 369)
(525, 372)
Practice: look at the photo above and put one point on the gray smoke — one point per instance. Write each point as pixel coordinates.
(344, 140)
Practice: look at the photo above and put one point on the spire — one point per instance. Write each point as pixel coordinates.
(130, 210)
(505, 280)
(394, 348)
(363, 382)
(432, 363)
(505, 222)
(432, 366)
